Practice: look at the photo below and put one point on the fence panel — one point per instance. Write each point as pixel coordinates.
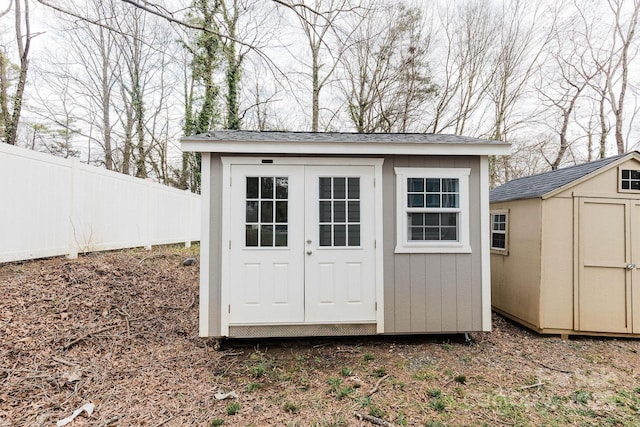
(51, 206)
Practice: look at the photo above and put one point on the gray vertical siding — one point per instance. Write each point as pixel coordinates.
(215, 254)
(431, 292)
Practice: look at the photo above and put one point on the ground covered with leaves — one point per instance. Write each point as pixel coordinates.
(119, 330)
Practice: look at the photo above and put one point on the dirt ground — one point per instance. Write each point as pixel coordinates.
(119, 330)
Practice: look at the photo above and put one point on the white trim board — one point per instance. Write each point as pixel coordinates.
(345, 148)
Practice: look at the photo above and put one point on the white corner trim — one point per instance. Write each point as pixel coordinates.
(379, 253)
(485, 232)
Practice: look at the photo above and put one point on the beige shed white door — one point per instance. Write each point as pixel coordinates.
(606, 298)
(302, 246)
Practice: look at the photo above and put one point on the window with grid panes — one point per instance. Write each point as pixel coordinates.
(499, 231)
(432, 209)
(266, 211)
(339, 211)
(630, 180)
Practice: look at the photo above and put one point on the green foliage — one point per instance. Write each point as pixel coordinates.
(437, 404)
(581, 396)
(251, 387)
(258, 370)
(216, 422)
(346, 371)
(338, 390)
(233, 408)
(290, 407)
(374, 411)
(379, 372)
(367, 357)
(462, 379)
(424, 374)
(434, 393)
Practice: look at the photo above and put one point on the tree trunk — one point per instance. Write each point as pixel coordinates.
(23, 49)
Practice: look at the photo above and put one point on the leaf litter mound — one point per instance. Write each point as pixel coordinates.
(119, 331)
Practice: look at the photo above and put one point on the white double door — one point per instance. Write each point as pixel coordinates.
(302, 246)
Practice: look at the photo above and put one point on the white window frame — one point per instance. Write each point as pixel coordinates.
(495, 250)
(403, 244)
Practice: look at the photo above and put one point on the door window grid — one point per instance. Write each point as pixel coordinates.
(339, 211)
(433, 209)
(266, 211)
(630, 179)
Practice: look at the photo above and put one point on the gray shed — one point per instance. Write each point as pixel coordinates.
(309, 234)
(565, 248)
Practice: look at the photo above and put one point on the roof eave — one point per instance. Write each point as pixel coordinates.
(342, 148)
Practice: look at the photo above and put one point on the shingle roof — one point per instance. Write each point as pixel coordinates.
(533, 186)
(281, 136)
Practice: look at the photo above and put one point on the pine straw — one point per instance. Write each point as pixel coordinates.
(119, 329)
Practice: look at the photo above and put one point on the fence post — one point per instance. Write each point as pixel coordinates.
(148, 215)
(187, 222)
(73, 214)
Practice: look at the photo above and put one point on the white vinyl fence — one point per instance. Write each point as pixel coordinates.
(51, 206)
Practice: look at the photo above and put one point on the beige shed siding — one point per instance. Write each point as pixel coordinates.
(431, 292)
(556, 307)
(515, 278)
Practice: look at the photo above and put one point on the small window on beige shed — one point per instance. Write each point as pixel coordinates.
(500, 232)
(629, 180)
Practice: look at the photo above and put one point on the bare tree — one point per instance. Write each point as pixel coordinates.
(387, 77)
(23, 42)
(469, 31)
(319, 23)
(572, 73)
(616, 68)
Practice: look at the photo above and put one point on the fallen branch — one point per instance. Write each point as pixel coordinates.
(377, 386)
(373, 420)
(87, 335)
(126, 316)
(64, 362)
(564, 371)
(164, 422)
(231, 353)
(110, 421)
(347, 350)
(162, 255)
(526, 387)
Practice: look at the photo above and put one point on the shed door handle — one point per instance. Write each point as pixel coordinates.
(631, 266)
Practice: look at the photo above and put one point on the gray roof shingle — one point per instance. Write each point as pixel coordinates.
(280, 136)
(533, 186)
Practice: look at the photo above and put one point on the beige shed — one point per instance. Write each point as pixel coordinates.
(310, 234)
(565, 249)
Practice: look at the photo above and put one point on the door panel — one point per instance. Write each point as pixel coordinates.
(300, 250)
(604, 301)
(339, 244)
(266, 248)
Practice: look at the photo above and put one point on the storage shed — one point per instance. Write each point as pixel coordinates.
(565, 248)
(310, 234)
